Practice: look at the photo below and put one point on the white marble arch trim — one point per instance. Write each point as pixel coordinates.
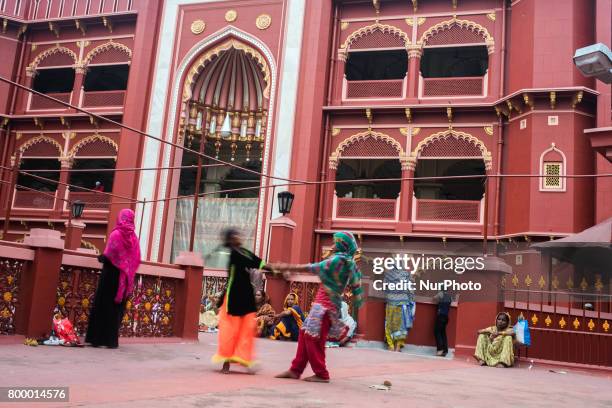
(158, 106)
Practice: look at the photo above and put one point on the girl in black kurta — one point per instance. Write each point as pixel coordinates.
(105, 316)
(237, 323)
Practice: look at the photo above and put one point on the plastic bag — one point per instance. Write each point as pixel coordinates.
(523, 336)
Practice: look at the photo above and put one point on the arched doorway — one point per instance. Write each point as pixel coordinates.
(225, 117)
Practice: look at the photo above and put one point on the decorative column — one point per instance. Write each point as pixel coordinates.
(415, 51)
(281, 238)
(77, 89)
(340, 70)
(74, 233)
(188, 295)
(330, 192)
(66, 165)
(29, 82)
(38, 286)
(407, 192)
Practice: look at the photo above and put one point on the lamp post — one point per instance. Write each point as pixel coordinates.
(285, 201)
(595, 61)
(74, 232)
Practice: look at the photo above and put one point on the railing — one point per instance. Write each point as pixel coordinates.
(443, 211)
(13, 8)
(94, 201)
(388, 88)
(10, 277)
(561, 329)
(38, 102)
(38, 200)
(457, 86)
(99, 99)
(150, 310)
(366, 208)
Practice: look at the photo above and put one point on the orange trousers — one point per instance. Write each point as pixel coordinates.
(236, 337)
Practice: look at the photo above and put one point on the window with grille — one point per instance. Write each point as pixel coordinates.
(54, 80)
(553, 173)
(376, 65)
(454, 61)
(107, 78)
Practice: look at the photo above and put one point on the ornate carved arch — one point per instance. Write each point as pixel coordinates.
(360, 137)
(199, 64)
(53, 50)
(363, 31)
(90, 139)
(464, 24)
(41, 139)
(105, 47)
(440, 136)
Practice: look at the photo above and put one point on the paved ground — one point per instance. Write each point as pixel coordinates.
(181, 375)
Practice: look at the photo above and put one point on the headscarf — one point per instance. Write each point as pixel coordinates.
(509, 320)
(340, 270)
(123, 251)
(295, 297)
(398, 297)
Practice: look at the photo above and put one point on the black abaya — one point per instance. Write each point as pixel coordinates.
(105, 316)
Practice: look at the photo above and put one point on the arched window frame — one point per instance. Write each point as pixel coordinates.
(549, 165)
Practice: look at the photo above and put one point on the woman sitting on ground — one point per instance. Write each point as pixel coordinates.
(265, 314)
(495, 343)
(291, 319)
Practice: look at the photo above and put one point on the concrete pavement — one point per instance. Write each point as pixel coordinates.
(181, 375)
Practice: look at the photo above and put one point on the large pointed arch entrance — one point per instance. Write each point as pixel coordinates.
(226, 99)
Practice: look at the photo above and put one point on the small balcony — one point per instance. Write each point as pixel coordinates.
(374, 89)
(93, 201)
(434, 211)
(102, 99)
(453, 86)
(34, 200)
(370, 209)
(37, 102)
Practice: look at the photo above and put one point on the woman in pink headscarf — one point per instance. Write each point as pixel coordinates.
(120, 261)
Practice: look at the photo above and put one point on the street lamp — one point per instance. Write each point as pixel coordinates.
(77, 209)
(285, 201)
(595, 61)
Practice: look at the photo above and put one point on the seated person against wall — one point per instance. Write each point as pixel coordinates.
(291, 319)
(494, 347)
(209, 318)
(265, 314)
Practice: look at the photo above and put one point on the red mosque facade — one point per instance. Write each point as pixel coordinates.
(309, 90)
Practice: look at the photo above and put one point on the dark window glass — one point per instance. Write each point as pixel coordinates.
(376, 65)
(35, 183)
(454, 62)
(450, 189)
(367, 169)
(107, 78)
(56, 80)
(88, 179)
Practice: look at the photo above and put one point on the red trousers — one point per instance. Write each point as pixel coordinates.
(312, 350)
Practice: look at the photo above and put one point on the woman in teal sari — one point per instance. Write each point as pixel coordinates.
(324, 320)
